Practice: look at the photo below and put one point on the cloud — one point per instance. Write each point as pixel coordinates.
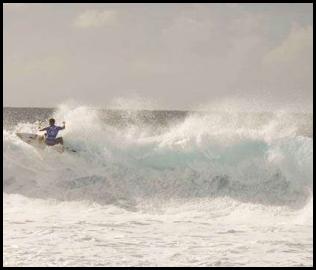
(287, 69)
(182, 54)
(292, 60)
(95, 18)
(185, 28)
(298, 43)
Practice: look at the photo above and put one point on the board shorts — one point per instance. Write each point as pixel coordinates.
(52, 142)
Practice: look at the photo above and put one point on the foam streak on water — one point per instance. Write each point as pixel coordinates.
(160, 189)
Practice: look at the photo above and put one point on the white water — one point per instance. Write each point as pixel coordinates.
(210, 190)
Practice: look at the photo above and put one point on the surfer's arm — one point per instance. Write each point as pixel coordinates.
(63, 127)
(43, 129)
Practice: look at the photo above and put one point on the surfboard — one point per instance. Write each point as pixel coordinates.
(38, 141)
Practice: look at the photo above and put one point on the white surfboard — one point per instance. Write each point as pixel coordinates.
(38, 141)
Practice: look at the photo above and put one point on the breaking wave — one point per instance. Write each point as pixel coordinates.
(203, 156)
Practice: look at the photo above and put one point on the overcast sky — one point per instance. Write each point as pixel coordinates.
(177, 56)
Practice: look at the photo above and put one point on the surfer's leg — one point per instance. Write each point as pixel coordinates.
(60, 140)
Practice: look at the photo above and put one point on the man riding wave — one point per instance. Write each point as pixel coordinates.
(51, 133)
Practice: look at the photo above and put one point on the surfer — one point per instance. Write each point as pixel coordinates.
(51, 133)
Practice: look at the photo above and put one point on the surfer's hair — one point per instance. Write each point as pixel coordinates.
(52, 121)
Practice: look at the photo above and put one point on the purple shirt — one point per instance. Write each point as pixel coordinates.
(52, 131)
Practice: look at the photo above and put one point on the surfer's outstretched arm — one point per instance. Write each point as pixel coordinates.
(43, 129)
(64, 126)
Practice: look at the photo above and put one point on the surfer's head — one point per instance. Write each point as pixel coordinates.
(52, 121)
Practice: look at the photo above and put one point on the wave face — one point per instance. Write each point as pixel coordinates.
(257, 158)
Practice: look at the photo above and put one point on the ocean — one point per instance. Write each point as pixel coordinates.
(159, 188)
